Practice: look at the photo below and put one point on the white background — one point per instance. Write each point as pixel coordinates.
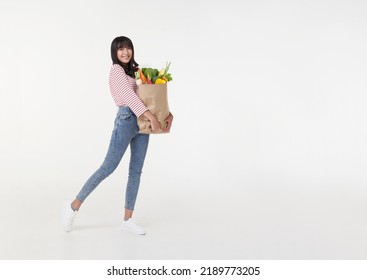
(267, 156)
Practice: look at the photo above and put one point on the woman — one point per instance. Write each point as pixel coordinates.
(125, 133)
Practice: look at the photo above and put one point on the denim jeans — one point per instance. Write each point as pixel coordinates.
(125, 133)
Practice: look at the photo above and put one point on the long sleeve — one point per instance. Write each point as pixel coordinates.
(124, 90)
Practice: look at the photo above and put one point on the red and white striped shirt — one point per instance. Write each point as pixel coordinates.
(124, 90)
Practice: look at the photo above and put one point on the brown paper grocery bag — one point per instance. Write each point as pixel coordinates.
(154, 96)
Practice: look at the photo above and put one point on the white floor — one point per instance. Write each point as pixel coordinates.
(262, 221)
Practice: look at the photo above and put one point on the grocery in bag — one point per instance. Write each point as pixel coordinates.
(152, 90)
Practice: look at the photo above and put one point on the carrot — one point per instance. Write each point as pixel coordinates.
(142, 77)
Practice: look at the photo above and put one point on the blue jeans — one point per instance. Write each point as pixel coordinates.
(125, 133)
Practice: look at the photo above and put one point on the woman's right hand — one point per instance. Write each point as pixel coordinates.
(154, 123)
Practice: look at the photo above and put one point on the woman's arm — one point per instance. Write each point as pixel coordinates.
(122, 91)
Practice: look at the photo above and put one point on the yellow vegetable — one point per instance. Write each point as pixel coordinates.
(161, 73)
(160, 81)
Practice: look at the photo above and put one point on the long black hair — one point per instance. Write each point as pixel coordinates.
(124, 42)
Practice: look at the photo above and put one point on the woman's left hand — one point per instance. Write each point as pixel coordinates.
(168, 122)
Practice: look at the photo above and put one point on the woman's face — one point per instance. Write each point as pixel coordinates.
(124, 54)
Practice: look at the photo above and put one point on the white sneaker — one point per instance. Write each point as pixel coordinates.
(131, 226)
(68, 215)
